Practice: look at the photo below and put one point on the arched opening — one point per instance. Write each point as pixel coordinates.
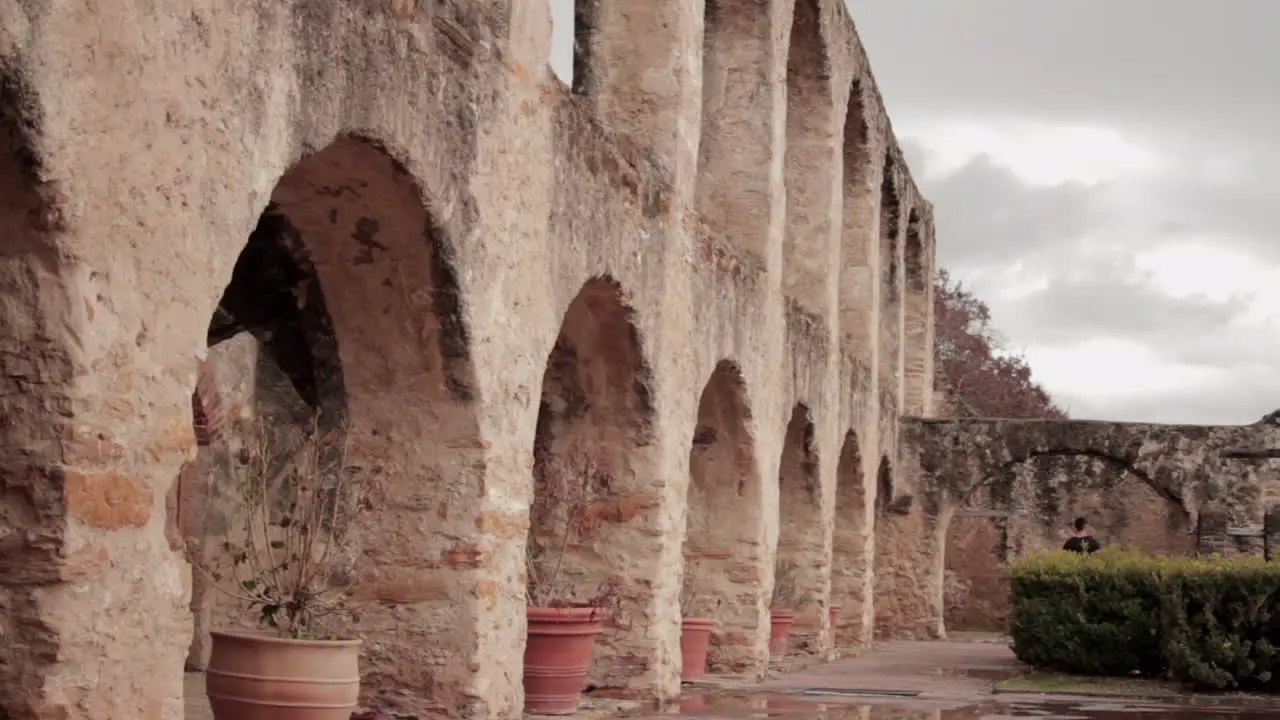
(723, 551)
(809, 251)
(884, 487)
(849, 562)
(343, 309)
(888, 553)
(594, 518)
(857, 237)
(890, 286)
(272, 368)
(1029, 505)
(917, 365)
(799, 577)
(735, 143)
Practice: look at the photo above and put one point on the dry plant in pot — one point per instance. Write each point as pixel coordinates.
(287, 556)
(563, 623)
(782, 608)
(697, 622)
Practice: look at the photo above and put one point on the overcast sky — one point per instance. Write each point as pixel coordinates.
(1102, 173)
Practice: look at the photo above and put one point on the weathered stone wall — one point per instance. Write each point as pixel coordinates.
(471, 248)
(993, 489)
(1031, 508)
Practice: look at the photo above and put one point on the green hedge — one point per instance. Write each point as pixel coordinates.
(1212, 622)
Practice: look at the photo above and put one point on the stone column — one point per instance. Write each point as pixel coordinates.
(95, 621)
(909, 566)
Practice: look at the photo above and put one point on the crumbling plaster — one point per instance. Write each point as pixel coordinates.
(142, 144)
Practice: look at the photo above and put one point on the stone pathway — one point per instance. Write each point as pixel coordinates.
(901, 680)
(945, 673)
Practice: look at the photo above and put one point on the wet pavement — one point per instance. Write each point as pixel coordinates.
(786, 707)
(896, 681)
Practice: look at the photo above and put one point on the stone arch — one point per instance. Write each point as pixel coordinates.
(1035, 471)
(810, 250)
(591, 447)
(890, 346)
(1119, 461)
(916, 307)
(850, 561)
(857, 220)
(1028, 503)
(272, 367)
(347, 290)
(724, 542)
(800, 579)
(735, 145)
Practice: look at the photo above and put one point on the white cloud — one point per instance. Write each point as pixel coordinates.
(1111, 368)
(1037, 152)
(1214, 268)
(1111, 260)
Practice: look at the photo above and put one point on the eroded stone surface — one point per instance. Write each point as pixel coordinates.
(391, 214)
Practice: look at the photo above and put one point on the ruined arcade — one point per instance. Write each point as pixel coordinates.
(705, 262)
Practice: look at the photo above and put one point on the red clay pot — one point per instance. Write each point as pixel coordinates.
(833, 619)
(780, 632)
(695, 637)
(255, 675)
(556, 655)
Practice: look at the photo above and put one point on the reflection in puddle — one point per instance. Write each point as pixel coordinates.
(790, 707)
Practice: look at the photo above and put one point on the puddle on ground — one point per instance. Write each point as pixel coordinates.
(713, 706)
(993, 674)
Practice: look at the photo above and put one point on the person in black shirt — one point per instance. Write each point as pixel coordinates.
(1083, 541)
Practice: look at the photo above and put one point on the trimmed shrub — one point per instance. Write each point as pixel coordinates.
(1211, 622)
(1221, 622)
(1091, 615)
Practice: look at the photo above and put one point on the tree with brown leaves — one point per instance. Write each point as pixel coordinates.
(981, 377)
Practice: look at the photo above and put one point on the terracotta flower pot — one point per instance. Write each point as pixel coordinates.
(833, 619)
(258, 676)
(556, 656)
(779, 632)
(695, 637)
